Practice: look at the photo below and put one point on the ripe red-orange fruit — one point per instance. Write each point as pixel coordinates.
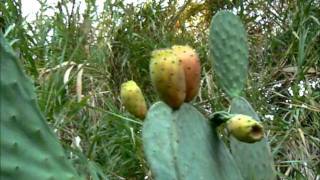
(190, 62)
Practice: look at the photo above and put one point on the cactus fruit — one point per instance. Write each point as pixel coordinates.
(242, 127)
(133, 100)
(191, 66)
(167, 77)
(245, 128)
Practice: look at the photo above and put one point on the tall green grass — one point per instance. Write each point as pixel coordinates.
(78, 61)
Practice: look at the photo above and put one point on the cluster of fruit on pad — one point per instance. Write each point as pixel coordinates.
(176, 134)
(175, 74)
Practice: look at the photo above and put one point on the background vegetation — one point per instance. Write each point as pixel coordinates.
(78, 61)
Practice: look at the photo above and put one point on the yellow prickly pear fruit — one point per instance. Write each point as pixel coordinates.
(245, 128)
(167, 77)
(189, 59)
(133, 100)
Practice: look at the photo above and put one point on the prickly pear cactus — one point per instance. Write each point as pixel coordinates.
(260, 166)
(180, 145)
(229, 53)
(29, 148)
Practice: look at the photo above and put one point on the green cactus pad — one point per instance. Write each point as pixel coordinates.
(254, 160)
(180, 145)
(29, 148)
(228, 52)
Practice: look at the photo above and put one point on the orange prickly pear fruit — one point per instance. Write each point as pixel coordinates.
(190, 62)
(133, 100)
(167, 77)
(245, 128)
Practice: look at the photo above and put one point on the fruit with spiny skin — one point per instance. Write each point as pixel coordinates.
(168, 77)
(245, 128)
(133, 100)
(191, 65)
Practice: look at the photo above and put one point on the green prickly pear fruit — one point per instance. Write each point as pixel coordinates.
(245, 128)
(191, 66)
(133, 100)
(167, 77)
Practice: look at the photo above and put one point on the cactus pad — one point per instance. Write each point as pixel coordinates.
(29, 148)
(228, 52)
(254, 160)
(181, 145)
